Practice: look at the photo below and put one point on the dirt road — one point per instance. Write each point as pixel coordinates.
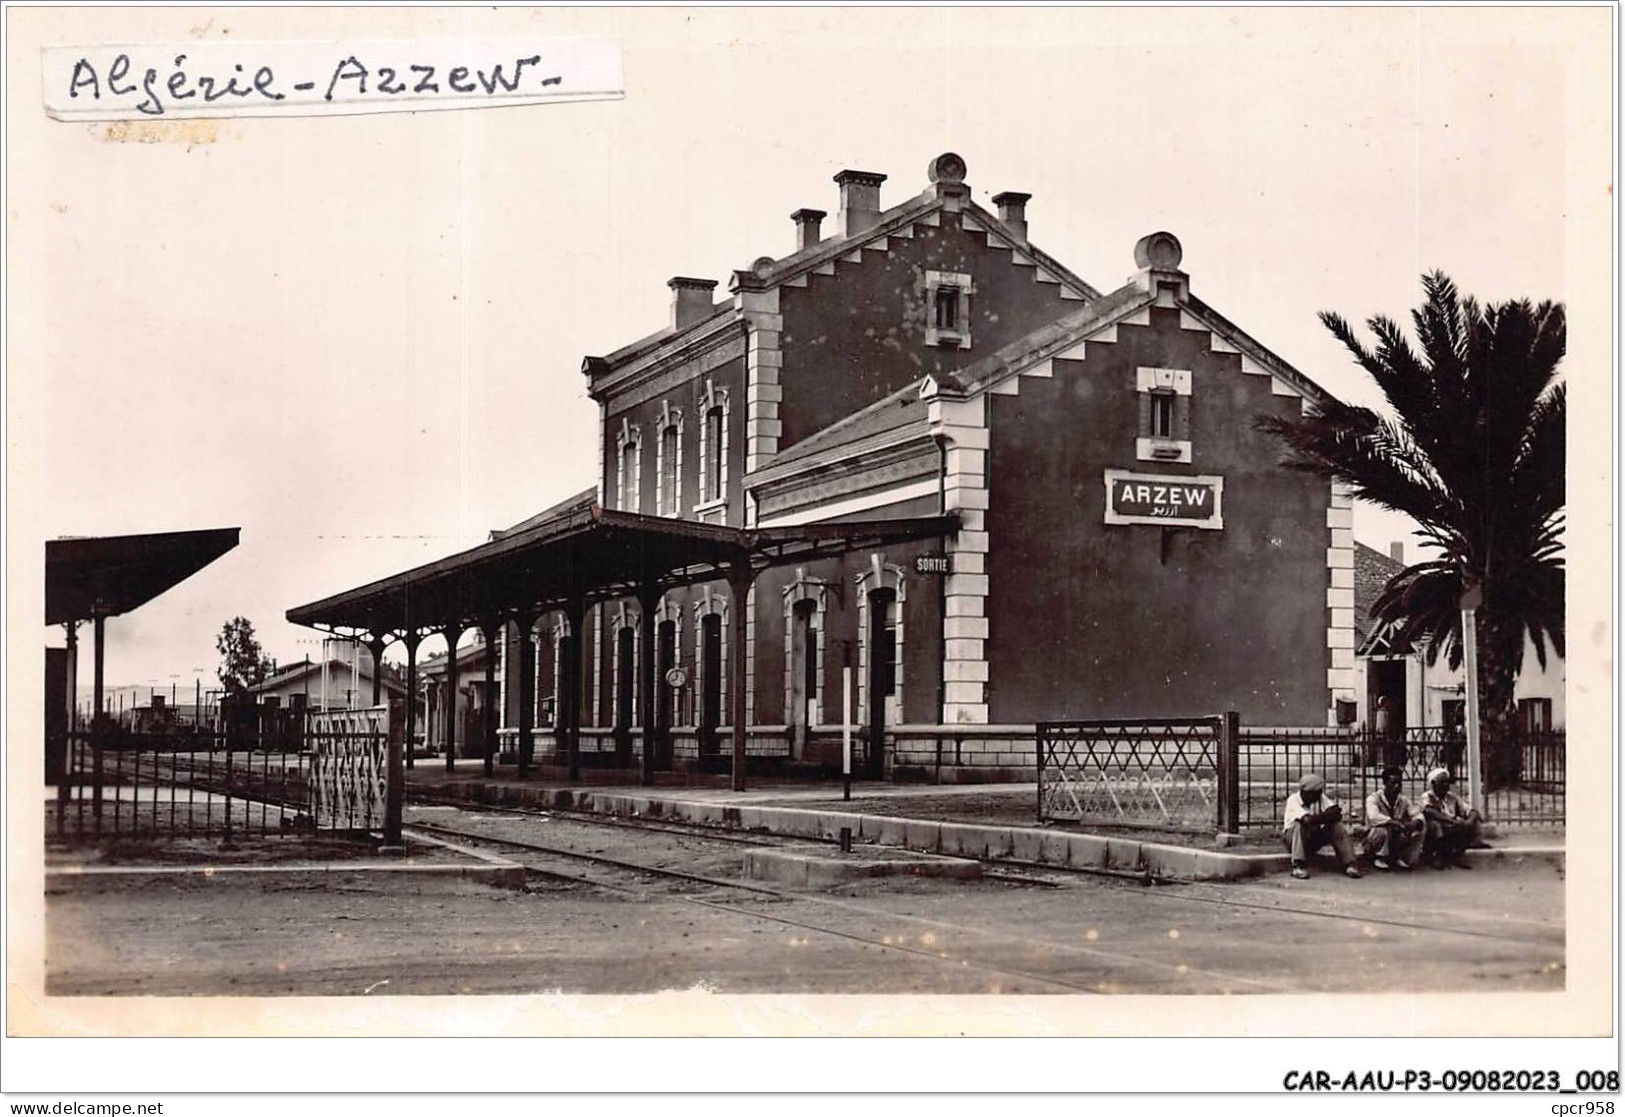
(1496, 929)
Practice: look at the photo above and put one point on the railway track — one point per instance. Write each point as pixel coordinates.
(632, 879)
(712, 833)
(1028, 873)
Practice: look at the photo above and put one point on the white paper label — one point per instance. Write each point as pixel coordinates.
(219, 79)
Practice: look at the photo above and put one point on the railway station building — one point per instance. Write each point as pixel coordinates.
(996, 493)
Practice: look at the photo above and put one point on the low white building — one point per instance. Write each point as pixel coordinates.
(1422, 695)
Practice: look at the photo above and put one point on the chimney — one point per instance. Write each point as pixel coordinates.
(690, 300)
(1396, 551)
(807, 222)
(1013, 211)
(860, 200)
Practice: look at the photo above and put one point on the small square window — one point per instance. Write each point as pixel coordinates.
(1162, 414)
(1165, 417)
(947, 308)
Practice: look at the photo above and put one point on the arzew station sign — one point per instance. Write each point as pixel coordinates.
(1145, 498)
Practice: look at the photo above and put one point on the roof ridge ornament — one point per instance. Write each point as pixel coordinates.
(947, 175)
(1158, 256)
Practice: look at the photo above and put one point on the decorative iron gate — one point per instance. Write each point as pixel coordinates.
(1162, 773)
(349, 768)
(275, 776)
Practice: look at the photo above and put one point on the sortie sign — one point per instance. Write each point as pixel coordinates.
(1145, 498)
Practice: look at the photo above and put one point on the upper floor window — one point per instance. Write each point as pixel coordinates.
(713, 456)
(1162, 414)
(1165, 401)
(947, 302)
(669, 463)
(947, 308)
(629, 469)
(713, 406)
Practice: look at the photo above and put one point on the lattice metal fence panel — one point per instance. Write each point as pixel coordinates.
(349, 768)
(1160, 773)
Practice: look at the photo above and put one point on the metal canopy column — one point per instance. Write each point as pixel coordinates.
(491, 629)
(98, 719)
(648, 601)
(71, 628)
(575, 673)
(525, 621)
(740, 577)
(375, 645)
(411, 638)
(453, 632)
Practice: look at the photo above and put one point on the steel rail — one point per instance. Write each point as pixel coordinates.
(937, 956)
(617, 822)
(703, 831)
(1180, 889)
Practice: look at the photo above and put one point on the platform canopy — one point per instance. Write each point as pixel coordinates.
(589, 552)
(112, 574)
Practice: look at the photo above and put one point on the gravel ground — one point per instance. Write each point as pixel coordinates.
(354, 934)
(299, 849)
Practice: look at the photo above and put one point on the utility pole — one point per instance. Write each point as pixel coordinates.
(1470, 601)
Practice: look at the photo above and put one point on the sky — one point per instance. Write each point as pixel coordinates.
(359, 338)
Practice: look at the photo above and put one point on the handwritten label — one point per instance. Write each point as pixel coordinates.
(217, 79)
(1143, 498)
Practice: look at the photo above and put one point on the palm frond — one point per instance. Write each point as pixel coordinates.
(1474, 452)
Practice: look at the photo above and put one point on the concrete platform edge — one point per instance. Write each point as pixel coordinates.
(1062, 849)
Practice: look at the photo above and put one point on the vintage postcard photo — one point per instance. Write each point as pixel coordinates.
(836, 511)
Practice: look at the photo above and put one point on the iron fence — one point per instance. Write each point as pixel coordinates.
(288, 779)
(1208, 773)
(1168, 773)
(1271, 761)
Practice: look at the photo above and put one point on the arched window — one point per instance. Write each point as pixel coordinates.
(669, 463)
(629, 469)
(710, 667)
(624, 709)
(881, 591)
(714, 451)
(713, 407)
(804, 604)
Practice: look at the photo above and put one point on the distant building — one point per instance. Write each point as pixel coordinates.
(346, 684)
(473, 704)
(1424, 696)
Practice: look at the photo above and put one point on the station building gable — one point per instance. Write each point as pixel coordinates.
(1128, 544)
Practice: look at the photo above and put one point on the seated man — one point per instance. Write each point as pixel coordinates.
(1452, 829)
(1312, 819)
(1395, 829)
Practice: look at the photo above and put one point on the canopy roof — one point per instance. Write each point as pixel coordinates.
(594, 553)
(114, 574)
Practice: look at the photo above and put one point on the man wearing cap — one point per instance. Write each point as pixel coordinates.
(1395, 829)
(1452, 828)
(1312, 819)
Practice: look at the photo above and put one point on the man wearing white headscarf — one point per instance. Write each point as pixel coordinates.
(1453, 828)
(1312, 819)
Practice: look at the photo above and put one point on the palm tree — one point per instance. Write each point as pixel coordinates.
(1474, 454)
